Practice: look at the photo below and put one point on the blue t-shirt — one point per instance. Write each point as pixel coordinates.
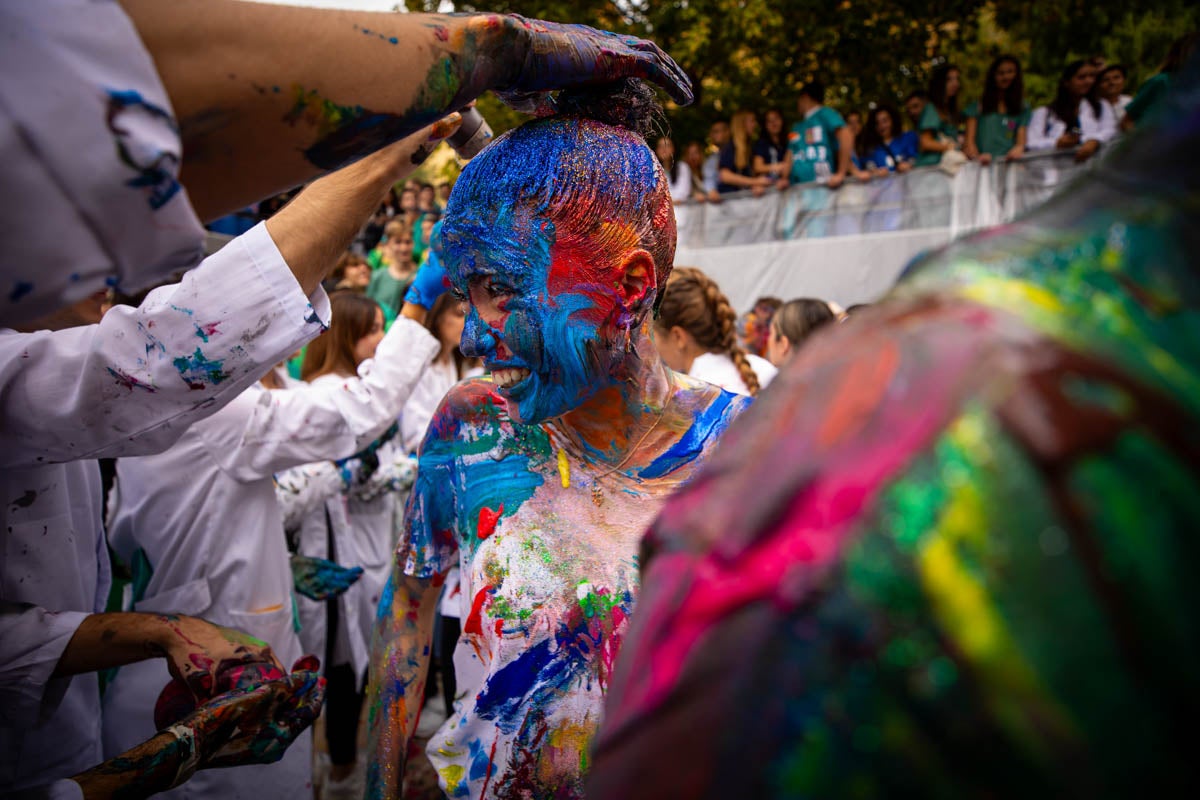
(813, 142)
(727, 159)
(770, 152)
(902, 148)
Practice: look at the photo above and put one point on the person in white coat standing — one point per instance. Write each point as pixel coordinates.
(203, 519)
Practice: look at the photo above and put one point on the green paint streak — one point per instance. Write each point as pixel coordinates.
(324, 114)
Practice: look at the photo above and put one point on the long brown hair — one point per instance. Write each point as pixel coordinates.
(353, 316)
(694, 302)
(440, 306)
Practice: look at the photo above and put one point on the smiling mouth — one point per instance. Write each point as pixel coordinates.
(508, 378)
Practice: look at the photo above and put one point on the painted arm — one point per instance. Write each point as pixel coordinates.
(270, 96)
(196, 651)
(399, 657)
(254, 726)
(141, 376)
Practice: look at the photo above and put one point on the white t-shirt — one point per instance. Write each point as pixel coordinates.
(719, 369)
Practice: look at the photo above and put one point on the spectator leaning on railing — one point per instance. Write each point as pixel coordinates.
(938, 125)
(820, 143)
(771, 155)
(997, 125)
(736, 159)
(1074, 119)
(888, 150)
(718, 137)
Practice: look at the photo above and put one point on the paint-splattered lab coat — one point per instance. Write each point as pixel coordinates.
(91, 153)
(130, 384)
(204, 518)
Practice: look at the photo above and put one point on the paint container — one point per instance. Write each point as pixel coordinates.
(472, 136)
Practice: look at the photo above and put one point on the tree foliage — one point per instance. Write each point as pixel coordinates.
(757, 53)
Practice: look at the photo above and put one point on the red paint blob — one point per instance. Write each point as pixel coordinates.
(488, 520)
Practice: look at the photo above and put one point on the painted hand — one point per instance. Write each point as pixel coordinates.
(256, 725)
(197, 652)
(431, 280)
(558, 56)
(318, 579)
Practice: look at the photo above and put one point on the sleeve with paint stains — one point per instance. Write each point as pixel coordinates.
(133, 383)
(330, 420)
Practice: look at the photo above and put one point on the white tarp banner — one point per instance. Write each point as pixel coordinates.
(850, 244)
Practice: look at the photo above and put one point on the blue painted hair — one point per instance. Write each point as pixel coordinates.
(589, 171)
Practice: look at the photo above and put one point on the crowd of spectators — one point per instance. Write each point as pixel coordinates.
(1090, 107)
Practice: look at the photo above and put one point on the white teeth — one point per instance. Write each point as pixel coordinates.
(507, 378)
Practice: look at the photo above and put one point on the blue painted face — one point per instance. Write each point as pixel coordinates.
(534, 318)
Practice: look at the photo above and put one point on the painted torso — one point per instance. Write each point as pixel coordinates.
(548, 553)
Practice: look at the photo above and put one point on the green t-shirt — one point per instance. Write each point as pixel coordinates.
(813, 144)
(387, 290)
(997, 133)
(931, 120)
(1149, 97)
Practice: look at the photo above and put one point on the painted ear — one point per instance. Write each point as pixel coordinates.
(637, 278)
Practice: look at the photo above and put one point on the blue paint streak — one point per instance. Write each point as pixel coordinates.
(479, 761)
(712, 422)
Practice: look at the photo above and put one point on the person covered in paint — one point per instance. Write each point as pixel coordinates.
(695, 331)
(539, 480)
(968, 569)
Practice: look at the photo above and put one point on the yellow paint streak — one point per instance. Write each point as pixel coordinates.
(564, 469)
(971, 618)
(566, 745)
(452, 775)
(1011, 294)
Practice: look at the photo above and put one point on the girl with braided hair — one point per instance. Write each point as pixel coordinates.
(696, 333)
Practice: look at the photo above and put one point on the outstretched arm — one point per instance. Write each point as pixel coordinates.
(270, 96)
(399, 657)
(254, 726)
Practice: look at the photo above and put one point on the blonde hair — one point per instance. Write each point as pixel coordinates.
(742, 146)
(695, 303)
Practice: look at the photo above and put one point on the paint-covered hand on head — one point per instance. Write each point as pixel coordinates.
(319, 579)
(256, 725)
(199, 652)
(559, 56)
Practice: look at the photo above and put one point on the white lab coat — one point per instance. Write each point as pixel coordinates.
(205, 516)
(59, 400)
(91, 153)
(364, 535)
(1045, 128)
